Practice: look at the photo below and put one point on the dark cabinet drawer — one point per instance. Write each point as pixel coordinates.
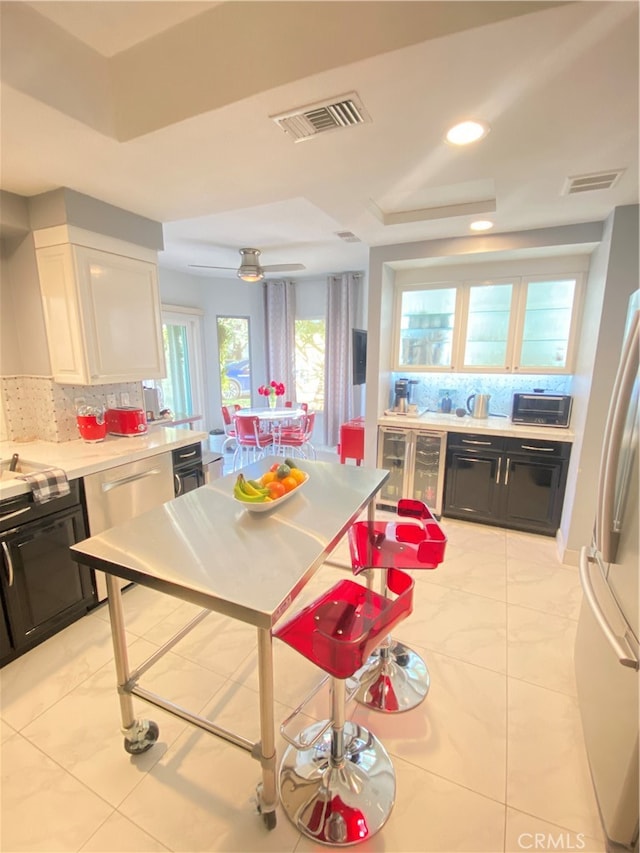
(539, 448)
(475, 441)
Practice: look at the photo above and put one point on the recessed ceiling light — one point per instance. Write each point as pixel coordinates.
(481, 225)
(466, 132)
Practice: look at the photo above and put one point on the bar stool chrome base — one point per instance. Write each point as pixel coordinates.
(394, 679)
(342, 802)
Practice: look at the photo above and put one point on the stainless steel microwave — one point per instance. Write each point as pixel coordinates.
(552, 410)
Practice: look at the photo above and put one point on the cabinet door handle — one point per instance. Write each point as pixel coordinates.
(506, 471)
(473, 441)
(540, 449)
(498, 469)
(7, 555)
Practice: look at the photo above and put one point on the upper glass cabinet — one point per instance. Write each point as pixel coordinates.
(547, 327)
(487, 336)
(520, 324)
(427, 319)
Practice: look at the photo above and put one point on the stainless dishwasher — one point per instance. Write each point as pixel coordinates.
(118, 494)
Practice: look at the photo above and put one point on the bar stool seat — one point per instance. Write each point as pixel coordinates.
(337, 783)
(395, 678)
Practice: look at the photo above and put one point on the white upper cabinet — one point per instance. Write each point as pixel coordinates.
(518, 324)
(102, 310)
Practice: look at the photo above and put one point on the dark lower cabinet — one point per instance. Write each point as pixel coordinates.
(41, 588)
(508, 482)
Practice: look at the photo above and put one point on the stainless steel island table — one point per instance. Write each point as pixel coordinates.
(206, 548)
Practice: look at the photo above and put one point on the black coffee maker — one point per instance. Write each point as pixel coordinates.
(402, 395)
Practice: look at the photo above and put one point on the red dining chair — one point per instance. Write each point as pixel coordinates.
(229, 431)
(396, 678)
(251, 442)
(337, 782)
(296, 440)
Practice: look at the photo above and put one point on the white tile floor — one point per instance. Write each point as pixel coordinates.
(492, 757)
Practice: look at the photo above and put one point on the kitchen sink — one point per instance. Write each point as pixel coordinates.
(24, 466)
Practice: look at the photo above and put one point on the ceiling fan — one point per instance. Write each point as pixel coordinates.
(250, 268)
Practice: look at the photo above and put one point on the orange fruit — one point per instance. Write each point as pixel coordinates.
(298, 475)
(276, 489)
(267, 478)
(289, 483)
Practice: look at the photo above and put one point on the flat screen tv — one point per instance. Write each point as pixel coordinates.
(359, 348)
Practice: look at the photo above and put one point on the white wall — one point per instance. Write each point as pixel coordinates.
(612, 278)
(228, 297)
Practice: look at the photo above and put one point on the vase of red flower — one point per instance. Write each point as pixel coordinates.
(272, 391)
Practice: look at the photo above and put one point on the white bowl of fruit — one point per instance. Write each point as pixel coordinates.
(274, 487)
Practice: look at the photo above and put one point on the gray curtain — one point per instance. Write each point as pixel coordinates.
(280, 317)
(342, 300)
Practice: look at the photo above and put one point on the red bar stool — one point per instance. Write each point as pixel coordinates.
(337, 783)
(395, 678)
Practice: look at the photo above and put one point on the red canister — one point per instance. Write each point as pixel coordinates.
(91, 423)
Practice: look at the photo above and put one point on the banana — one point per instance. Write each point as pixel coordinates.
(243, 496)
(257, 485)
(250, 490)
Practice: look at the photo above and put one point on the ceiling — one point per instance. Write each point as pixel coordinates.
(164, 109)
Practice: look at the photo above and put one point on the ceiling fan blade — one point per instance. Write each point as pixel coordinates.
(209, 267)
(283, 267)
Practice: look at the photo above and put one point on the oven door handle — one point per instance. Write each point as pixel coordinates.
(7, 554)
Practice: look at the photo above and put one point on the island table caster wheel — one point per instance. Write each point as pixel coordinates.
(269, 817)
(141, 736)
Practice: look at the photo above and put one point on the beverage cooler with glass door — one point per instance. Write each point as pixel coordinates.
(416, 459)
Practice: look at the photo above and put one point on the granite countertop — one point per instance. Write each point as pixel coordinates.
(79, 458)
(483, 426)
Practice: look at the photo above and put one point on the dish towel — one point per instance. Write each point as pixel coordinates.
(48, 484)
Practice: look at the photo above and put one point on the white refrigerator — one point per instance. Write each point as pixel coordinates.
(606, 650)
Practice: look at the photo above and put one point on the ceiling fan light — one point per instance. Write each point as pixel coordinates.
(250, 269)
(250, 274)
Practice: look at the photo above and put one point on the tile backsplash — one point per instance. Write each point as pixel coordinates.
(36, 407)
(431, 388)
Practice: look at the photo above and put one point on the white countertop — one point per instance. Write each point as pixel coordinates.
(483, 426)
(79, 458)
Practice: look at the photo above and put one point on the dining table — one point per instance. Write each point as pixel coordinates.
(207, 548)
(273, 415)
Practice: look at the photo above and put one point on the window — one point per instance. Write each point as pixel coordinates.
(309, 366)
(183, 389)
(234, 359)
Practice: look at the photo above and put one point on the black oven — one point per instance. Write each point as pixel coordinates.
(188, 471)
(552, 410)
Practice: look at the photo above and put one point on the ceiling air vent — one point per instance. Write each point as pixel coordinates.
(348, 236)
(306, 122)
(596, 181)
